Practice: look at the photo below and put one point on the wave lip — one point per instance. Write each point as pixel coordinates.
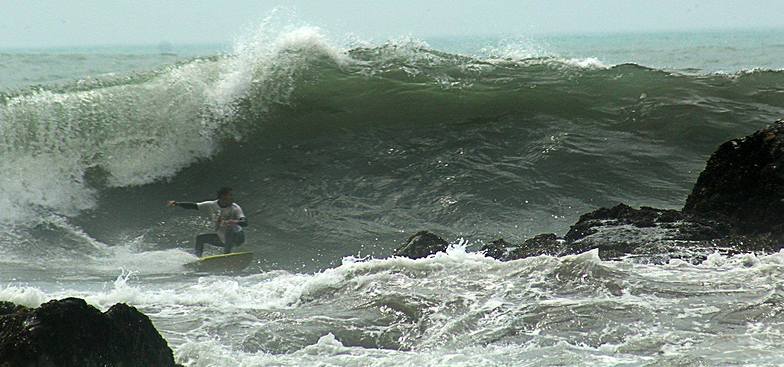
(399, 136)
(142, 130)
(148, 128)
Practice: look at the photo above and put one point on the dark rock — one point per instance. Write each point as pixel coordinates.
(738, 244)
(422, 244)
(496, 249)
(658, 234)
(543, 244)
(647, 233)
(743, 183)
(655, 234)
(9, 308)
(736, 206)
(700, 229)
(620, 214)
(69, 332)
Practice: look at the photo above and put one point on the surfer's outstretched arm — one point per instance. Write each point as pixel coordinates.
(184, 205)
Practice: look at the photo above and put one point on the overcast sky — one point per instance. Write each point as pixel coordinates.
(44, 23)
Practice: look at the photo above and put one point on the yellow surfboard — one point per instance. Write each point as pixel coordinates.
(227, 262)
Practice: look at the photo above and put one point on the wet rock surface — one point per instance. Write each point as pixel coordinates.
(736, 206)
(645, 232)
(543, 244)
(422, 244)
(69, 332)
(743, 183)
(497, 249)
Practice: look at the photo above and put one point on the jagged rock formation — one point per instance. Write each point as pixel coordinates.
(737, 205)
(743, 183)
(69, 332)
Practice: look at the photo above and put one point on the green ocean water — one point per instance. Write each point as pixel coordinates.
(340, 150)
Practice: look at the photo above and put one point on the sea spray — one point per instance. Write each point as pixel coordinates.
(348, 150)
(458, 307)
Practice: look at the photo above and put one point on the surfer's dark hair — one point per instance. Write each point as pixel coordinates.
(223, 191)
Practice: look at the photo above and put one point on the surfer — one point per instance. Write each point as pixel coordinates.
(228, 217)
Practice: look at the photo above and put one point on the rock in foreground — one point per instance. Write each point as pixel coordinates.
(69, 332)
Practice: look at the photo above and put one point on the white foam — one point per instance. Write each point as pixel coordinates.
(537, 52)
(25, 296)
(138, 133)
(586, 63)
(467, 306)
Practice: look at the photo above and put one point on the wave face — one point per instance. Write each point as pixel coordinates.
(341, 151)
(346, 151)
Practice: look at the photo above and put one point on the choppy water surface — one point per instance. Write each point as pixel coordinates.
(340, 152)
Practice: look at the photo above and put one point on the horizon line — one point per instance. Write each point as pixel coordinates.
(229, 43)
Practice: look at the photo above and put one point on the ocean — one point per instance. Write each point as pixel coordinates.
(340, 149)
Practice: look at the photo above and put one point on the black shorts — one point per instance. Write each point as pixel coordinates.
(232, 239)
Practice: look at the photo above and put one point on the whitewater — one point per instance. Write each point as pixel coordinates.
(341, 150)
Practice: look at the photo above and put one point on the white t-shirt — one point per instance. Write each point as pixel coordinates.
(231, 212)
